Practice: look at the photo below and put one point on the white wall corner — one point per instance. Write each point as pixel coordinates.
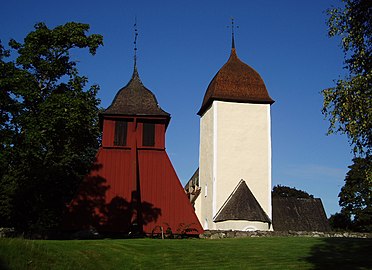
(215, 146)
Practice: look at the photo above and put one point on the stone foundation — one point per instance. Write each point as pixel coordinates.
(214, 234)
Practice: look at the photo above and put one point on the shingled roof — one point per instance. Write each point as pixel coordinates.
(135, 99)
(242, 205)
(299, 214)
(237, 82)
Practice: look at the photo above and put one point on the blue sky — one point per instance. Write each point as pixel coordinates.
(182, 44)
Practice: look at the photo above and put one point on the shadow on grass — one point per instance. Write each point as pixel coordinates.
(342, 253)
(3, 265)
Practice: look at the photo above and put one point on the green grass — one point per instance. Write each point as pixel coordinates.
(244, 253)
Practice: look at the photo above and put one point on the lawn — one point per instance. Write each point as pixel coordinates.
(243, 253)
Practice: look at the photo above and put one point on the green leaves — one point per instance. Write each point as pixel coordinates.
(48, 127)
(45, 52)
(356, 194)
(288, 192)
(353, 24)
(348, 105)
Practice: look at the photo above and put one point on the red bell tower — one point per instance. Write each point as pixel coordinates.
(133, 186)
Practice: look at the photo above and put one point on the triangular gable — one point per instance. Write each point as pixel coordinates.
(242, 205)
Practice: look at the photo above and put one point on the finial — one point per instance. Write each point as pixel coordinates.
(233, 33)
(135, 42)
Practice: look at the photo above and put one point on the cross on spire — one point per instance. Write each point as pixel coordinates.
(135, 41)
(233, 33)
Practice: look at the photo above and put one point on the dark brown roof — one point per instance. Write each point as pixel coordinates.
(242, 205)
(298, 214)
(237, 82)
(135, 99)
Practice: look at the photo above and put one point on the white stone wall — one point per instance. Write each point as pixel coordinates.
(203, 204)
(235, 144)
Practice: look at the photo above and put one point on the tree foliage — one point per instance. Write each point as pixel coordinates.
(340, 222)
(348, 105)
(356, 194)
(48, 126)
(288, 192)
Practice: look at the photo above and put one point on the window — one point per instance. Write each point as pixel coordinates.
(148, 136)
(121, 128)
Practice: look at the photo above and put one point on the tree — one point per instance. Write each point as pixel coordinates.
(356, 194)
(48, 127)
(340, 221)
(288, 192)
(348, 105)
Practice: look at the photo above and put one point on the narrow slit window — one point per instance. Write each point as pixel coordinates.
(121, 128)
(148, 136)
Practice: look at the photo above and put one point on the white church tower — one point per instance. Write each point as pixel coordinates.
(235, 150)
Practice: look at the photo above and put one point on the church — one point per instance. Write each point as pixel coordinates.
(231, 189)
(234, 176)
(134, 189)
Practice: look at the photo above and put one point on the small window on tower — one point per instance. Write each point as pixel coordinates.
(148, 136)
(121, 127)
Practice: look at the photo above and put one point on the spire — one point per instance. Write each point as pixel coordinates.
(135, 75)
(135, 44)
(235, 82)
(233, 33)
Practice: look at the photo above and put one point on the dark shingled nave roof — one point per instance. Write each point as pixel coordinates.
(236, 82)
(242, 205)
(135, 99)
(299, 214)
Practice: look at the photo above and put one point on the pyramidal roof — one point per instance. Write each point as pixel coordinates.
(236, 82)
(242, 205)
(135, 99)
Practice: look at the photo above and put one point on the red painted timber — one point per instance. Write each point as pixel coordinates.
(104, 194)
(108, 197)
(161, 188)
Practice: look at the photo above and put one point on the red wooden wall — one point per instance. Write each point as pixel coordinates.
(161, 187)
(122, 175)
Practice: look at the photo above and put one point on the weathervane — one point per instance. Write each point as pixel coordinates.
(233, 32)
(135, 41)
